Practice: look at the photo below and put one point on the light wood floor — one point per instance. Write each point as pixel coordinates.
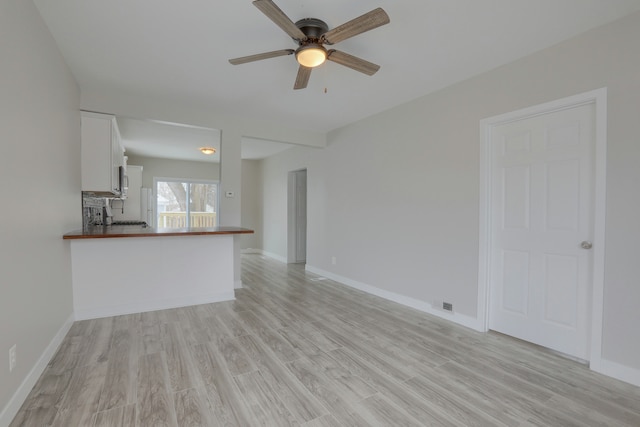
(292, 350)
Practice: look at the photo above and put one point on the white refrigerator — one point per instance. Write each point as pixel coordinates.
(146, 206)
(129, 208)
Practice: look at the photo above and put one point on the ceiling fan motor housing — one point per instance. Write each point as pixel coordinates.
(313, 28)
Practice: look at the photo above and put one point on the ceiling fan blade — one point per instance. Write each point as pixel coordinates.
(260, 56)
(368, 21)
(352, 62)
(274, 13)
(302, 78)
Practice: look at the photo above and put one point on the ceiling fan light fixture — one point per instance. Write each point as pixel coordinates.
(207, 150)
(311, 55)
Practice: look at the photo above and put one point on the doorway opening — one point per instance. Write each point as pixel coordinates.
(297, 217)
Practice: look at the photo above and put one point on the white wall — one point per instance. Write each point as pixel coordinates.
(166, 168)
(251, 204)
(40, 172)
(275, 172)
(395, 197)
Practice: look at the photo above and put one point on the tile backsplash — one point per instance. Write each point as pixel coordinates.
(92, 210)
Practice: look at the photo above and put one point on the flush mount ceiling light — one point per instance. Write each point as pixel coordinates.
(311, 55)
(207, 150)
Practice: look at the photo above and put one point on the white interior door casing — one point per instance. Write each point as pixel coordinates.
(542, 209)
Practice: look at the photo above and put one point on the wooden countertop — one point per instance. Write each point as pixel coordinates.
(111, 231)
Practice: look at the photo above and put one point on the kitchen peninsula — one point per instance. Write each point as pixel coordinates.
(130, 269)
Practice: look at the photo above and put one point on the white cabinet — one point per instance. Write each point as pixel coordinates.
(102, 154)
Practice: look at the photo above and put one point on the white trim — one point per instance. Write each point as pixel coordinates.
(274, 256)
(237, 284)
(417, 304)
(599, 98)
(141, 307)
(251, 251)
(9, 412)
(618, 371)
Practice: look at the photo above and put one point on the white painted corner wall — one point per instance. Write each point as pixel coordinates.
(15, 402)
(40, 167)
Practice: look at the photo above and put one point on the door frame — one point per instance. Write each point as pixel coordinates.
(598, 98)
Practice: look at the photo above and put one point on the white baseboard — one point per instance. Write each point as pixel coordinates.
(16, 401)
(461, 319)
(618, 371)
(274, 256)
(237, 284)
(250, 251)
(141, 307)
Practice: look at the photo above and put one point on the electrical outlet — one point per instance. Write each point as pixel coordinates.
(447, 306)
(12, 358)
(334, 261)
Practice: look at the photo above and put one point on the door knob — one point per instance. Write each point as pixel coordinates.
(586, 244)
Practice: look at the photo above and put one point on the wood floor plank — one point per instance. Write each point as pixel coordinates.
(41, 416)
(182, 372)
(324, 421)
(339, 399)
(84, 389)
(224, 397)
(121, 416)
(291, 392)
(334, 370)
(449, 403)
(237, 362)
(76, 416)
(479, 390)
(228, 318)
(149, 328)
(49, 391)
(67, 356)
(155, 405)
(96, 342)
(280, 346)
(263, 402)
(299, 343)
(192, 409)
(394, 390)
(378, 410)
(314, 335)
(382, 361)
(120, 386)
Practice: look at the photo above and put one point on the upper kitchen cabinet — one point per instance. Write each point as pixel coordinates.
(102, 155)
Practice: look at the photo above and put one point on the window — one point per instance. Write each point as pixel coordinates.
(181, 203)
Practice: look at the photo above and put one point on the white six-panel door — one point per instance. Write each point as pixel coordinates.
(542, 226)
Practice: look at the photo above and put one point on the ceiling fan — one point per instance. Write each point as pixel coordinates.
(312, 34)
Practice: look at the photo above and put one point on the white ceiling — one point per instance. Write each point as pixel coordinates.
(178, 50)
